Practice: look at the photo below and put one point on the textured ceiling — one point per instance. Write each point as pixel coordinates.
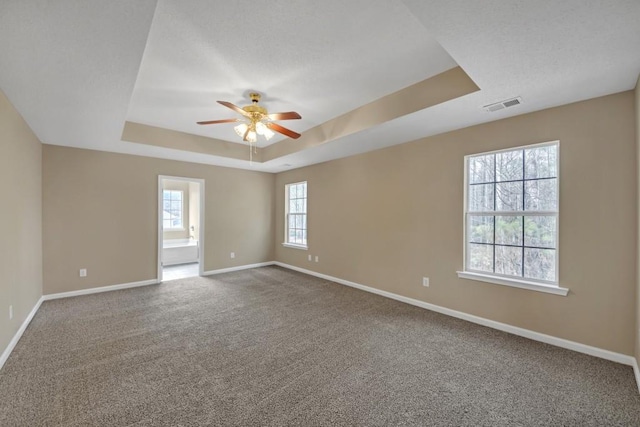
(321, 59)
(69, 67)
(78, 70)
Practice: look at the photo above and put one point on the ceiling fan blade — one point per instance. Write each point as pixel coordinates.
(213, 122)
(287, 132)
(290, 115)
(234, 108)
(244, 138)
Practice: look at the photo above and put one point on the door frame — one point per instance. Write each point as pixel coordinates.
(200, 225)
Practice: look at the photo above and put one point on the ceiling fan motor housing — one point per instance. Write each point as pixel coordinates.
(257, 112)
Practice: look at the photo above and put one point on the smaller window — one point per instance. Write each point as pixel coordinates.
(172, 210)
(296, 214)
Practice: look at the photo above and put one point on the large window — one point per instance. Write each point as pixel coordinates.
(296, 215)
(511, 214)
(172, 210)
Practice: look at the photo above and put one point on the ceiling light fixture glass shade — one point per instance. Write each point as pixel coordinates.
(252, 137)
(248, 129)
(268, 134)
(241, 129)
(262, 129)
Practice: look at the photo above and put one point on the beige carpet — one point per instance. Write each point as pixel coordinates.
(272, 347)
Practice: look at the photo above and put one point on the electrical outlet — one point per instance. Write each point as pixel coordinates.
(425, 281)
(83, 272)
(10, 312)
(317, 258)
(309, 257)
(233, 254)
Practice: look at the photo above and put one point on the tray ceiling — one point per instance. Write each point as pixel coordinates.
(81, 73)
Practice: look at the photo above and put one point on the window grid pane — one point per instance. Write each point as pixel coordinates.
(480, 257)
(172, 209)
(512, 213)
(296, 217)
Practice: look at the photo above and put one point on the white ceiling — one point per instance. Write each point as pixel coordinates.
(321, 59)
(77, 70)
(69, 67)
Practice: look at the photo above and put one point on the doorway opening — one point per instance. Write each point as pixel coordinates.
(180, 227)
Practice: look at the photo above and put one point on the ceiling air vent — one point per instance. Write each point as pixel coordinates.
(502, 105)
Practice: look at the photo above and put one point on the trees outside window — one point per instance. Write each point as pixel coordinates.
(172, 210)
(511, 213)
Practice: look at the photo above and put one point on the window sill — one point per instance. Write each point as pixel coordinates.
(522, 284)
(294, 246)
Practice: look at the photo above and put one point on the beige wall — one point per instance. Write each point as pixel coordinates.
(21, 220)
(183, 186)
(100, 213)
(389, 217)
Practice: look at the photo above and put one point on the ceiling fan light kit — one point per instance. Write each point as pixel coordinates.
(256, 120)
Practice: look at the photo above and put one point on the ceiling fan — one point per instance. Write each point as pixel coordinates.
(256, 120)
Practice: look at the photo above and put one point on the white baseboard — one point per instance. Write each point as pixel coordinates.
(238, 268)
(23, 327)
(536, 336)
(100, 289)
(7, 351)
(636, 371)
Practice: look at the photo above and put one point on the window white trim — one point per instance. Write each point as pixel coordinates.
(536, 285)
(508, 281)
(526, 333)
(294, 246)
(287, 214)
